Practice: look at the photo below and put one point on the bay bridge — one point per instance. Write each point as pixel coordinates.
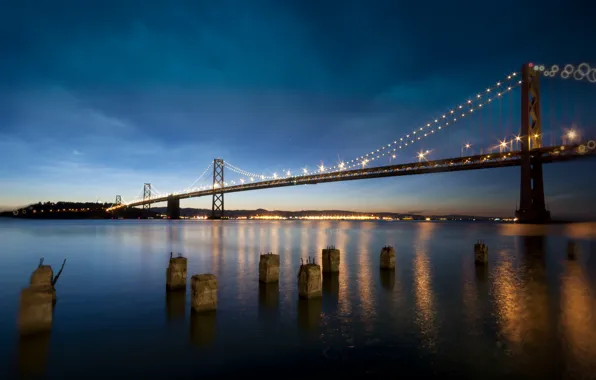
(525, 146)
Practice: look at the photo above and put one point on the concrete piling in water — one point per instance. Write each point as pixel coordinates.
(330, 259)
(572, 250)
(309, 280)
(269, 268)
(43, 277)
(480, 253)
(38, 300)
(176, 274)
(36, 310)
(204, 292)
(388, 257)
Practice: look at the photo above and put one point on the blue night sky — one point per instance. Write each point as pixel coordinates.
(98, 97)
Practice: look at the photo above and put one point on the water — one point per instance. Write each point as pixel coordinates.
(530, 314)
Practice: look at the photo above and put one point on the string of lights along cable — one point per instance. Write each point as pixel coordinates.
(439, 123)
(582, 72)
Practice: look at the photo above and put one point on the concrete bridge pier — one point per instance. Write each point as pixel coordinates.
(480, 253)
(173, 210)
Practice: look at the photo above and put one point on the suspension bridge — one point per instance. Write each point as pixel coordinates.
(526, 146)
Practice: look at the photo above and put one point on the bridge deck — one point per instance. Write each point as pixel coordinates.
(477, 162)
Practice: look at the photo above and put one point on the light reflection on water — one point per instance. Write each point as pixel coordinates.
(530, 312)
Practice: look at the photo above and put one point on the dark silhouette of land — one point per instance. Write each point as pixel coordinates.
(73, 210)
(96, 210)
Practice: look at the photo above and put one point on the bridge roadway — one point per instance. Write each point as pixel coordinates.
(485, 161)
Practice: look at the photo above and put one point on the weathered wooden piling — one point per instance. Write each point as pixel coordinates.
(330, 259)
(269, 268)
(572, 250)
(388, 257)
(204, 292)
(309, 280)
(480, 253)
(176, 273)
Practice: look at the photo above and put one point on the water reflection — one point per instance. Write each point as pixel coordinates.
(387, 279)
(331, 285)
(536, 292)
(578, 321)
(217, 239)
(470, 294)
(507, 293)
(365, 281)
(32, 355)
(268, 298)
(175, 305)
(309, 314)
(202, 327)
(342, 240)
(174, 237)
(423, 292)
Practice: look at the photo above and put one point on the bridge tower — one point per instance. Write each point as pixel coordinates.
(146, 197)
(217, 206)
(532, 207)
(118, 200)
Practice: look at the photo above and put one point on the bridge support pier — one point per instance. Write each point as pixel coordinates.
(532, 207)
(173, 211)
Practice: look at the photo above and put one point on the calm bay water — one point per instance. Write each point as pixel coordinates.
(531, 313)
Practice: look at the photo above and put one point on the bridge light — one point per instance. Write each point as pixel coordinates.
(341, 165)
(288, 173)
(322, 168)
(517, 138)
(571, 135)
(252, 179)
(274, 175)
(536, 135)
(242, 181)
(305, 171)
(468, 145)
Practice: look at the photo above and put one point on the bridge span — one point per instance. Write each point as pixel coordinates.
(477, 162)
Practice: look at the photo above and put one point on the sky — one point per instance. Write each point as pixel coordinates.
(98, 98)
